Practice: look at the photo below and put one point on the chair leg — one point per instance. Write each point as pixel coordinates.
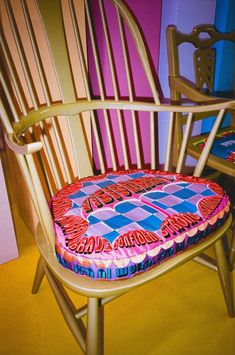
(76, 326)
(39, 274)
(225, 276)
(232, 249)
(95, 327)
(205, 260)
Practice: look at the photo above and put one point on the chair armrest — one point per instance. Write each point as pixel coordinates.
(22, 148)
(186, 87)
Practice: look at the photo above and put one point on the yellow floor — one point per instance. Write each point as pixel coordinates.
(180, 313)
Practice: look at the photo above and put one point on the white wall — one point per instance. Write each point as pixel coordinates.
(8, 246)
(185, 14)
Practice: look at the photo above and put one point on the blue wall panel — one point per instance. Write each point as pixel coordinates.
(225, 54)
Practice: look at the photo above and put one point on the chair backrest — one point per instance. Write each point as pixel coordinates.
(35, 122)
(101, 63)
(203, 38)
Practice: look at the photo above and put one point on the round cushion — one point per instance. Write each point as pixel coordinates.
(116, 225)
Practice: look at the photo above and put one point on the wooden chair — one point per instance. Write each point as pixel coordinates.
(35, 132)
(202, 38)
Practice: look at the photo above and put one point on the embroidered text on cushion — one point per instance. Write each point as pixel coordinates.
(119, 224)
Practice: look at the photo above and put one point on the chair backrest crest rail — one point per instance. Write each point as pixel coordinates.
(202, 36)
(80, 106)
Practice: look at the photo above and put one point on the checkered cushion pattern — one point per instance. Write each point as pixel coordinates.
(119, 224)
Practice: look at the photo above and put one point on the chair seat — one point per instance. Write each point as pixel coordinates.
(221, 157)
(119, 224)
(223, 146)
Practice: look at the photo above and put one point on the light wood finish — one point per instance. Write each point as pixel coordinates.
(39, 274)
(67, 309)
(114, 83)
(225, 276)
(95, 327)
(232, 249)
(130, 91)
(198, 92)
(45, 163)
(85, 80)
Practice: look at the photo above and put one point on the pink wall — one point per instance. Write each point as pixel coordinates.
(148, 18)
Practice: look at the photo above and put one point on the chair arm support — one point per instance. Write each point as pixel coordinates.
(185, 87)
(24, 148)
